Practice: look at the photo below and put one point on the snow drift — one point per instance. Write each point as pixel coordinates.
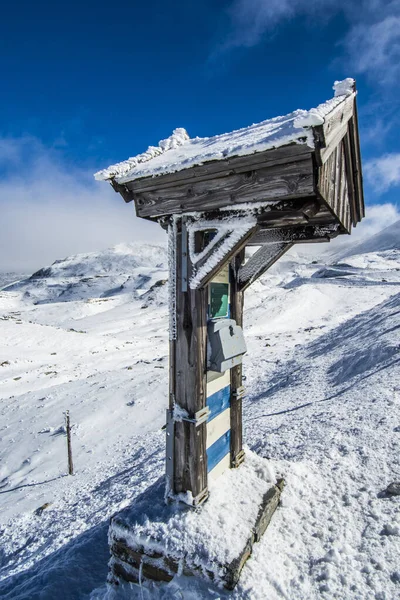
(323, 380)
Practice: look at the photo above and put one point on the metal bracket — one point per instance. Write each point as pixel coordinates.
(239, 393)
(237, 461)
(200, 417)
(202, 497)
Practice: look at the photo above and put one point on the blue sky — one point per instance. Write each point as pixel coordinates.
(88, 84)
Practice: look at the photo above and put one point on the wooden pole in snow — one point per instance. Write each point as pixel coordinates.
(69, 446)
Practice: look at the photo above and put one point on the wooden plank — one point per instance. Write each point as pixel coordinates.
(302, 234)
(260, 262)
(326, 153)
(227, 257)
(357, 169)
(350, 179)
(218, 402)
(337, 183)
(237, 300)
(219, 468)
(344, 196)
(217, 382)
(335, 126)
(221, 168)
(190, 383)
(219, 449)
(331, 179)
(268, 506)
(330, 183)
(218, 426)
(291, 180)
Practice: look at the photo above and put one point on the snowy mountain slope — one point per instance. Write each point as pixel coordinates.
(323, 403)
(124, 268)
(11, 277)
(388, 239)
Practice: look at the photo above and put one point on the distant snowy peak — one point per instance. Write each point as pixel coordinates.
(120, 258)
(179, 152)
(126, 268)
(388, 239)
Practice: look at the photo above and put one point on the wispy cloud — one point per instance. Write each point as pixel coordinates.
(372, 42)
(383, 172)
(251, 20)
(375, 49)
(50, 210)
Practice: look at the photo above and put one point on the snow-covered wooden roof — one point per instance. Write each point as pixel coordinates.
(179, 151)
(300, 169)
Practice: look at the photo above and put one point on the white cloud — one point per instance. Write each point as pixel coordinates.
(377, 217)
(375, 48)
(252, 19)
(372, 43)
(49, 210)
(383, 172)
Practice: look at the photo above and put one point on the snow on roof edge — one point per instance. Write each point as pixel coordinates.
(292, 128)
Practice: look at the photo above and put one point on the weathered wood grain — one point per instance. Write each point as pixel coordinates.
(335, 127)
(190, 462)
(303, 234)
(260, 262)
(290, 180)
(350, 179)
(237, 302)
(357, 169)
(268, 506)
(227, 257)
(221, 168)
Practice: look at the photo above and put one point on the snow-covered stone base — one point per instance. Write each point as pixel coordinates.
(153, 540)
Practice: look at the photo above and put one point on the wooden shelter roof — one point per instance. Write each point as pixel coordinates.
(300, 169)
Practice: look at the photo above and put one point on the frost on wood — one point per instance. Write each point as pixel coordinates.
(264, 256)
(179, 414)
(178, 152)
(172, 229)
(232, 231)
(222, 228)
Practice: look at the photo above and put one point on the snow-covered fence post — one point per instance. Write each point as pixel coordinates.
(69, 445)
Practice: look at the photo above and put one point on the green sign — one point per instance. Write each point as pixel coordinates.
(219, 300)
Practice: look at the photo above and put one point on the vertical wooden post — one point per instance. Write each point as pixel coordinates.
(188, 388)
(237, 298)
(69, 445)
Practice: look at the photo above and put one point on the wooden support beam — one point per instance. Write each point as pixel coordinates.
(223, 258)
(122, 189)
(237, 301)
(299, 235)
(284, 181)
(189, 386)
(260, 262)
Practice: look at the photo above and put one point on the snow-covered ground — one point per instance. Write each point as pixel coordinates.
(322, 372)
